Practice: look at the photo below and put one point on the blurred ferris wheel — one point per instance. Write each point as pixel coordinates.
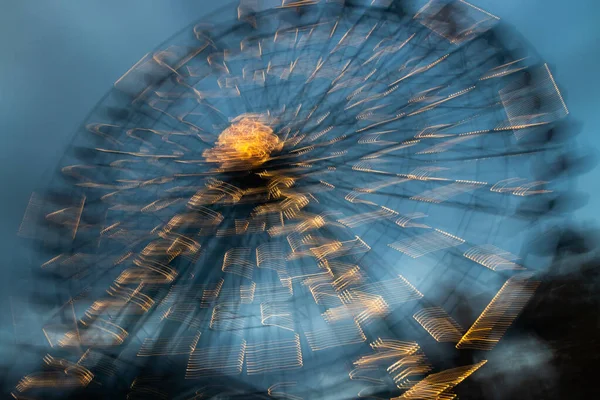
(309, 199)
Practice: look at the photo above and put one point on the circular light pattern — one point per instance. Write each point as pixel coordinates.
(248, 142)
(314, 200)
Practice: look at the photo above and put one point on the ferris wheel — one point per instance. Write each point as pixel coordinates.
(300, 200)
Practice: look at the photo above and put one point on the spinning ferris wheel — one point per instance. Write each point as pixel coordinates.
(309, 199)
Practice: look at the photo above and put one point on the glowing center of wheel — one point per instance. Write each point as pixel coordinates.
(247, 142)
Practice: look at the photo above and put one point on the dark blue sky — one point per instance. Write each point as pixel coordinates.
(567, 35)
